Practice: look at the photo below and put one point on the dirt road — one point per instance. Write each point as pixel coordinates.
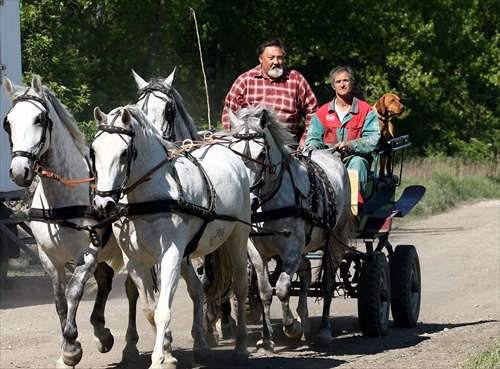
(459, 316)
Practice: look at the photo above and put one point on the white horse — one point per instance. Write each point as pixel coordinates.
(165, 108)
(308, 195)
(180, 205)
(45, 141)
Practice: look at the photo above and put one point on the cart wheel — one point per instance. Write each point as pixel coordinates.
(4, 261)
(405, 286)
(374, 290)
(253, 306)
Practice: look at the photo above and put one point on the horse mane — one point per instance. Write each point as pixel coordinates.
(62, 112)
(187, 128)
(184, 126)
(67, 119)
(148, 129)
(251, 115)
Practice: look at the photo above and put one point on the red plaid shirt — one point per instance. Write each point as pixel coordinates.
(290, 96)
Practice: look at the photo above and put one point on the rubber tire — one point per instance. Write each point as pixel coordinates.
(406, 286)
(374, 289)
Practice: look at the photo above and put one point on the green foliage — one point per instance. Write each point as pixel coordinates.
(441, 57)
(89, 129)
(488, 359)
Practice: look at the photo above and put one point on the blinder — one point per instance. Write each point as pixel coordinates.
(43, 119)
(170, 111)
(247, 137)
(131, 155)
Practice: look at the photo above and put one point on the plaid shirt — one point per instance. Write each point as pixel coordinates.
(290, 96)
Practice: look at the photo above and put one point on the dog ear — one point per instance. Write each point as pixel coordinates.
(380, 106)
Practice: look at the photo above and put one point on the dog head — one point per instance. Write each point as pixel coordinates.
(389, 105)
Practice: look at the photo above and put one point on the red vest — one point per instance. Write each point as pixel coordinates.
(334, 131)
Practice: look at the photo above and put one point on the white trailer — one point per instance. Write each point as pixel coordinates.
(10, 65)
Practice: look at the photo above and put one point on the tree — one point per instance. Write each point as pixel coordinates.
(440, 57)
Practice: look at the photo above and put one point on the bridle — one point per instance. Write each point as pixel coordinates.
(170, 111)
(266, 165)
(246, 154)
(131, 155)
(43, 119)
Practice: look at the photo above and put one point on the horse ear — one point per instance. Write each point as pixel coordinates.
(264, 119)
(99, 116)
(36, 84)
(8, 86)
(170, 79)
(139, 81)
(126, 117)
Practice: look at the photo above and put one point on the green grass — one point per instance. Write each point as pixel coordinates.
(489, 359)
(449, 182)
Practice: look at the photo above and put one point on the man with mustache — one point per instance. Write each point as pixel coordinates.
(277, 86)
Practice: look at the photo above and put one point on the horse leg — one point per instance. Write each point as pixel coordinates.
(170, 263)
(85, 267)
(131, 352)
(104, 277)
(324, 337)
(201, 349)
(211, 307)
(228, 324)
(236, 246)
(304, 273)
(291, 326)
(266, 294)
(58, 277)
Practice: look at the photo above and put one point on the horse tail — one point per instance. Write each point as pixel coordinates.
(220, 288)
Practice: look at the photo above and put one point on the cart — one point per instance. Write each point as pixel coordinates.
(383, 278)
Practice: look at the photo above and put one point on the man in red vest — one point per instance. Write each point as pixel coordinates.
(347, 124)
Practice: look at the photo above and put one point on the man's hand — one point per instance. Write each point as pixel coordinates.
(343, 147)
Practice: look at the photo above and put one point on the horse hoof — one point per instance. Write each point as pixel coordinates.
(202, 354)
(72, 354)
(324, 340)
(171, 364)
(130, 354)
(227, 331)
(240, 359)
(212, 340)
(106, 344)
(60, 364)
(264, 346)
(293, 331)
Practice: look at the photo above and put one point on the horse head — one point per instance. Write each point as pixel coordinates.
(112, 153)
(165, 108)
(29, 127)
(263, 143)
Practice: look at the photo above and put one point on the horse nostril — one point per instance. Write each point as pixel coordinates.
(110, 206)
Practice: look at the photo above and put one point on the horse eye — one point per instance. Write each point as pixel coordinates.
(38, 121)
(124, 154)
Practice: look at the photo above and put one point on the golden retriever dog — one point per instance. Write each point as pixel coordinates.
(387, 106)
